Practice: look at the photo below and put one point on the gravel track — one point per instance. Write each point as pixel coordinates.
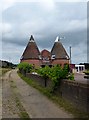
(33, 102)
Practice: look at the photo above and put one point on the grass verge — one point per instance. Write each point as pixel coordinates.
(22, 112)
(4, 70)
(56, 99)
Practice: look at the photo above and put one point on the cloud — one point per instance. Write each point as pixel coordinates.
(47, 5)
(0, 28)
(76, 25)
(32, 26)
(6, 28)
(6, 31)
(7, 3)
(79, 53)
(53, 0)
(0, 49)
(45, 22)
(71, 0)
(12, 52)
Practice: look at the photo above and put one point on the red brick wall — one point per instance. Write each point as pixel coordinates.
(46, 53)
(35, 62)
(60, 62)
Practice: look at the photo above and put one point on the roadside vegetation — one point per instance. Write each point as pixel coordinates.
(86, 72)
(6, 66)
(25, 68)
(22, 112)
(56, 75)
(4, 70)
(56, 98)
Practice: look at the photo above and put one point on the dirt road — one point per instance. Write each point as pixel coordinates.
(20, 99)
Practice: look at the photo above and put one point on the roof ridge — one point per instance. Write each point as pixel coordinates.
(57, 39)
(31, 39)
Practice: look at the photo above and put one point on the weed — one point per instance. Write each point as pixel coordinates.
(4, 70)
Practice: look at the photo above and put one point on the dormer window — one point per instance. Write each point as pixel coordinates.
(53, 57)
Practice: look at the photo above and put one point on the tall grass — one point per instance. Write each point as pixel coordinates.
(4, 70)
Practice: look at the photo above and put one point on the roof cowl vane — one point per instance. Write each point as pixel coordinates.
(31, 39)
(57, 39)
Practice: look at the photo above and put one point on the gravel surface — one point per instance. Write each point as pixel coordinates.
(79, 77)
(32, 101)
(11, 105)
(9, 109)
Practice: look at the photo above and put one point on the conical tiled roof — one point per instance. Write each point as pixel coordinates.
(31, 51)
(58, 50)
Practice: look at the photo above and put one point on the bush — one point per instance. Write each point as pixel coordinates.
(56, 74)
(25, 67)
(44, 71)
(71, 77)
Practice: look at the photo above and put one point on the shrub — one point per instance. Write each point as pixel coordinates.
(65, 71)
(25, 67)
(56, 74)
(44, 71)
(71, 76)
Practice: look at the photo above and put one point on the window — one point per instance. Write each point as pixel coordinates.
(53, 57)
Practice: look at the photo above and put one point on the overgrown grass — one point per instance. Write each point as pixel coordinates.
(56, 99)
(87, 72)
(23, 114)
(4, 70)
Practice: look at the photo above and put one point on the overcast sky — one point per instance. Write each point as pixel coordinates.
(45, 21)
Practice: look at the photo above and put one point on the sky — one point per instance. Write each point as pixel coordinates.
(45, 20)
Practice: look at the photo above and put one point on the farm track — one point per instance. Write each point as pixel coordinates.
(20, 99)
